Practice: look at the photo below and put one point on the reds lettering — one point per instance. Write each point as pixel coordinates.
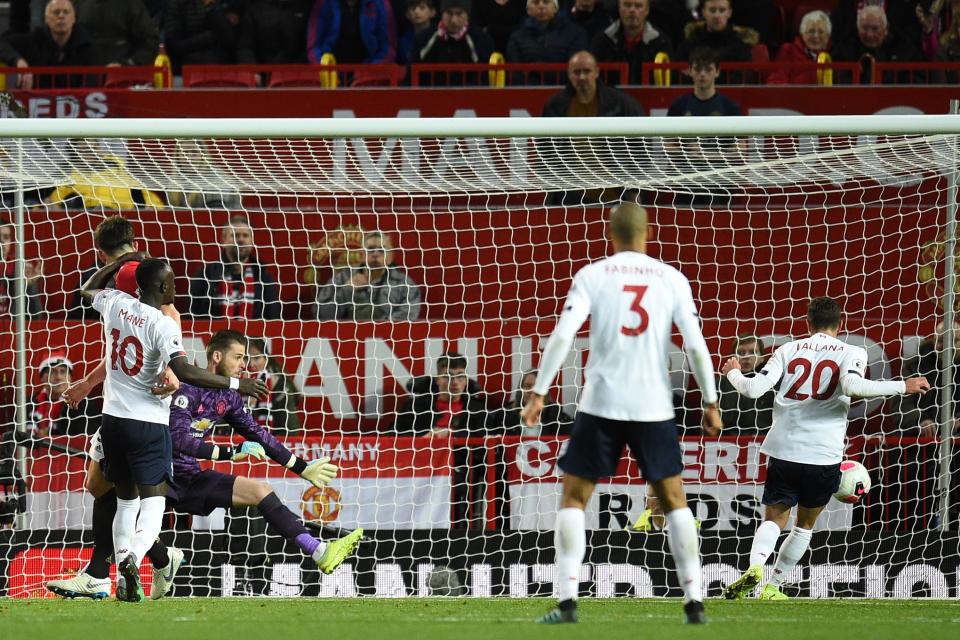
(136, 321)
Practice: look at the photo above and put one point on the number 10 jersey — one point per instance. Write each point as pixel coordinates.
(140, 341)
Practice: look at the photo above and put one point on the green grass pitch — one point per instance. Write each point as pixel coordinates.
(470, 618)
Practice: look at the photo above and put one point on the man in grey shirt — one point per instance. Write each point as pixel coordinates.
(379, 290)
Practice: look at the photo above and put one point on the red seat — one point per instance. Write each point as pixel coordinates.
(760, 53)
(376, 77)
(307, 77)
(218, 78)
(121, 78)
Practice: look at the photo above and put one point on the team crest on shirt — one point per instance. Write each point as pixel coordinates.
(221, 407)
(858, 364)
(181, 401)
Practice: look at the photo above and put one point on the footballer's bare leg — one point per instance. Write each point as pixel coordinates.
(327, 555)
(684, 544)
(570, 544)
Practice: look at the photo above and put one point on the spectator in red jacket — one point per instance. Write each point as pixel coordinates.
(814, 39)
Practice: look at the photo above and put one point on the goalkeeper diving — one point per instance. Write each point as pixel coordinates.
(193, 414)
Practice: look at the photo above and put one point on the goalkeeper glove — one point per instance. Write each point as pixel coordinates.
(252, 449)
(320, 472)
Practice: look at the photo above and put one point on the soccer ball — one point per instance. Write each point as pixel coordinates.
(854, 482)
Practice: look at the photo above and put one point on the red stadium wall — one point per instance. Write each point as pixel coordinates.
(518, 263)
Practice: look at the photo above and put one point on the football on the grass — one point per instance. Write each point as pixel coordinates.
(854, 482)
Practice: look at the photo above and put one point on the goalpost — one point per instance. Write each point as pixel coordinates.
(491, 218)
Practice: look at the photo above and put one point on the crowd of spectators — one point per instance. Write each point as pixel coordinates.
(130, 32)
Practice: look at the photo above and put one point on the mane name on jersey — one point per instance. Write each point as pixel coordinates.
(135, 320)
(820, 347)
(634, 270)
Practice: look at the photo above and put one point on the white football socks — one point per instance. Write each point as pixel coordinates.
(791, 551)
(148, 525)
(124, 527)
(764, 542)
(570, 540)
(685, 547)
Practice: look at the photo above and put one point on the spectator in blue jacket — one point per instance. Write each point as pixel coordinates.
(545, 36)
(354, 31)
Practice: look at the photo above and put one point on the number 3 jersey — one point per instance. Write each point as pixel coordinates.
(819, 374)
(633, 302)
(140, 341)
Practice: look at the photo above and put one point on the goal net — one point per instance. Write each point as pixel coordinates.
(358, 255)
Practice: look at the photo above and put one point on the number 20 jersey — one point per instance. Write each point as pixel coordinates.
(140, 341)
(810, 408)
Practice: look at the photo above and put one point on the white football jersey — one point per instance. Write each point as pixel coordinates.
(633, 302)
(810, 409)
(140, 341)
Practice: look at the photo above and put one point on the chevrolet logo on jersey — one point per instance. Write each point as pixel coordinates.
(201, 425)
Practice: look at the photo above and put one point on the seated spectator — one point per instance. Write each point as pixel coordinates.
(48, 413)
(499, 18)
(58, 43)
(123, 32)
(454, 41)
(376, 290)
(876, 43)
(32, 272)
(354, 31)
(199, 32)
(545, 36)
(631, 39)
(741, 414)
(445, 405)
(921, 415)
(705, 100)
(948, 50)
(902, 13)
(717, 32)
(814, 38)
(586, 95)
(420, 14)
(280, 412)
(553, 420)
(236, 286)
(936, 24)
(592, 15)
(273, 32)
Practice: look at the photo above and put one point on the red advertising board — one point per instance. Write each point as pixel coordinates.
(479, 102)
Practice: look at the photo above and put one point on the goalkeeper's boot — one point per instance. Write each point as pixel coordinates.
(81, 586)
(771, 592)
(644, 522)
(695, 613)
(745, 584)
(564, 613)
(338, 550)
(163, 578)
(130, 589)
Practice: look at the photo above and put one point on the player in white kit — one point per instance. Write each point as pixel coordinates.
(633, 301)
(140, 343)
(818, 377)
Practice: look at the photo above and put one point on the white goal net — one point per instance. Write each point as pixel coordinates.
(360, 266)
